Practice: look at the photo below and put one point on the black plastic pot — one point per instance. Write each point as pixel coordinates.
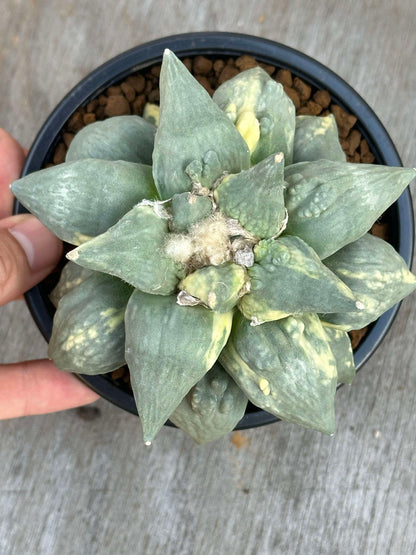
(399, 216)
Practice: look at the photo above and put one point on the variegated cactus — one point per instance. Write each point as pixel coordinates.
(245, 243)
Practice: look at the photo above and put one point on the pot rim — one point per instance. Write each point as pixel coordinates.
(224, 44)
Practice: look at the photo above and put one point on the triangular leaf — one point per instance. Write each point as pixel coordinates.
(88, 327)
(261, 111)
(377, 275)
(285, 368)
(255, 197)
(217, 287)
(133, 250)
(128, 138)
(288, 278)
(79, 200)
(71, 276)
(317, 138)
(331, 204)
(195, 141)
(169, 348)
(212, 408)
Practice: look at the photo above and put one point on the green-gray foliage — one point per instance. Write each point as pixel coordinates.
(246, 242)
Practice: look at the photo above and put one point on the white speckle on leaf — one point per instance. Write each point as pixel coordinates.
(212, 298)
(185, 299)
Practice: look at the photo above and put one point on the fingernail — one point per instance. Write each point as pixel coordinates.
(41, 247)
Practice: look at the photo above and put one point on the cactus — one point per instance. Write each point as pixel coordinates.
(240, 247)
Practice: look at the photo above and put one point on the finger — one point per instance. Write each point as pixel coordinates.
(38, 387)
(12, 157)
(28, 253)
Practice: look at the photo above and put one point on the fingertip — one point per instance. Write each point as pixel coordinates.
(28, 253)
(42, 248)
(38, 387)
(12, 157)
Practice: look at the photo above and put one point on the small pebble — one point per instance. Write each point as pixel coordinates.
(154, 96)
(59, 154)
(117, 105)
(75, 122)
(245, 62)
(201, 65)
(345, 121)
(88, 118)
(91, 106)
(138, 104)
(218, 66)
(323, 98)
(293, 95)
(67, 138)
(113, 90)
(227, 73)
(138, 82)
(284, 76)
(128, 91)
(302, 88)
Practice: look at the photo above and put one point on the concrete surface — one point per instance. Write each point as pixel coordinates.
(72, 486)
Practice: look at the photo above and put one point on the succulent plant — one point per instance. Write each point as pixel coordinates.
(229, 270)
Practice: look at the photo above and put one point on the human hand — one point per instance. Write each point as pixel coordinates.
(28, 253)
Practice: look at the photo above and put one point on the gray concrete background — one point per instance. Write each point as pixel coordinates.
(71, 486)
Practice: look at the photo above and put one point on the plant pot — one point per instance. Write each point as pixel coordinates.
(399, 216)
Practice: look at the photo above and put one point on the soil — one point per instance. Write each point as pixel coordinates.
(130, 96)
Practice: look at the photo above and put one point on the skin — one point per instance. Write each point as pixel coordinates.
(37, 386)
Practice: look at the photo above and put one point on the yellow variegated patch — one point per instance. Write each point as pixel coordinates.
(217, 287)
(88, 332)
(378, 281)
(285, 367)
(249, 127)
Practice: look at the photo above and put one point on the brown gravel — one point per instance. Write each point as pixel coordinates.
(345, 121)
(244, 62)
(117, 105)
(304, 91)
(284, 76)
(356, 336)
(323, 98)
(201, 65)
(131, 95)
(138, 82)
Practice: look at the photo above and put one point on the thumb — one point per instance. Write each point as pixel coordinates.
(28, 253)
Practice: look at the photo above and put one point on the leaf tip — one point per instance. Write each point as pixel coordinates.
(73, 255)
(16, 188)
